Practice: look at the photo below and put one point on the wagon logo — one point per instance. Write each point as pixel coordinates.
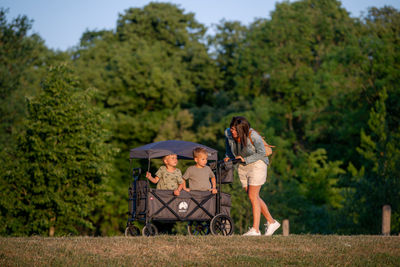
(183, 206)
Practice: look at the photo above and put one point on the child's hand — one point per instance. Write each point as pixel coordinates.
(177, 192)
(186, 189)
(214, 190)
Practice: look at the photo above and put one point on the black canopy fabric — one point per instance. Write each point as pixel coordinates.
(183, 149)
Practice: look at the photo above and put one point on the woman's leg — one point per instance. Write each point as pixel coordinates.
(253, 193)
(263, 206)
(265, 211)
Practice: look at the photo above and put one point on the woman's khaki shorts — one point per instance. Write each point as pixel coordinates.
(253, 174)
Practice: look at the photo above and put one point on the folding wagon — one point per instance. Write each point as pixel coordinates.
(204, 212)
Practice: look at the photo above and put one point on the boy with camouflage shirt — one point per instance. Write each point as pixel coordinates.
(168, 177)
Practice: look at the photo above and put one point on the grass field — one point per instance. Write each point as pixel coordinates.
(164, 250)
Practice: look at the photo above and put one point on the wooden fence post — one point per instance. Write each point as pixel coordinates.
(52, 228)
(285, 227)
(386, 211)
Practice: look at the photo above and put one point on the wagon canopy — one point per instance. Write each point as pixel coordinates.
(183, 149)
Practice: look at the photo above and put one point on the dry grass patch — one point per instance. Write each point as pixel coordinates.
(164, 250)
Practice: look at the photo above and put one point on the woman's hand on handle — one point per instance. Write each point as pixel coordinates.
(234, 161)
(241, 158)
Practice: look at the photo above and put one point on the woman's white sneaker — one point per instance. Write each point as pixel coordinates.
(252, 232)
(271, 228)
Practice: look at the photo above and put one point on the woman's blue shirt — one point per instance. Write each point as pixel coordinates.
(250, 153)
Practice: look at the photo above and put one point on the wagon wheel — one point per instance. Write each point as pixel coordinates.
(149, 230)
(198, 228)
(132, 230)
(221, 224)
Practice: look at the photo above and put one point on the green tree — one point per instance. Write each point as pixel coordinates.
(151, 66)
(300, 58)
(226, 44)
(378, 69)
(16, 56)
(24, 61)
(308, 78)
(322, 193)
(320, 72)
(55, 183)
(377, 183)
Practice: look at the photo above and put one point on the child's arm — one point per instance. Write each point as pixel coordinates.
(185, 177)
(177, 191)
(214, 186)
(151, 178)
(184, 186)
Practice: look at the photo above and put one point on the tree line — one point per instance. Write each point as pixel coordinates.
(319, 84)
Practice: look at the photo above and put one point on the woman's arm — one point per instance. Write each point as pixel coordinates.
(259, 148)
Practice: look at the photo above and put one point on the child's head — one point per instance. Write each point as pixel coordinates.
(200, 156)
(170, 160)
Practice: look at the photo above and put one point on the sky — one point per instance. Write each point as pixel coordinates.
(61, 23)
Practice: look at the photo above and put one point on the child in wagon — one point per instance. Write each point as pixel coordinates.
(199, 175)
(168, 177)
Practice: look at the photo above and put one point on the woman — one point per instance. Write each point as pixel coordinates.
(252, 169)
